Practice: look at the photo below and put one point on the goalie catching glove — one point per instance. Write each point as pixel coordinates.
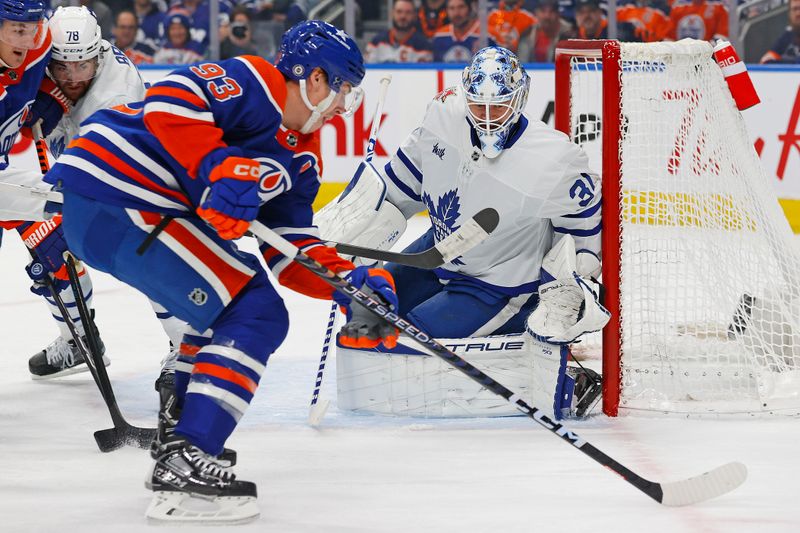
(569, 304)
(363, 329)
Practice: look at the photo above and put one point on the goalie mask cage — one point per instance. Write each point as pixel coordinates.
(699, 261)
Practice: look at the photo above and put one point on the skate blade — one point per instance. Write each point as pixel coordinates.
(179, 507)
(77, 369)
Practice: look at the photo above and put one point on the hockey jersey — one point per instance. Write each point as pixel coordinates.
(385, 47)
(507, 26)
(651, 24)
(540, 185)
(18, 88)
(148, 155)
(118, 82)
(449, 47)
(705, 21)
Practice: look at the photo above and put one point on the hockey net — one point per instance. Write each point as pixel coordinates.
(699, 262)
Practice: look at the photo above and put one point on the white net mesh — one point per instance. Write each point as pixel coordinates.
(709, 275)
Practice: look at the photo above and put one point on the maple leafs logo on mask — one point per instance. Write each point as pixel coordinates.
(443, 215)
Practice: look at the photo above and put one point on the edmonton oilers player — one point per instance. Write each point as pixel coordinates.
(476, 148)
(155, 193)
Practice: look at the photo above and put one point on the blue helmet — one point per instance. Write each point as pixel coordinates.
(313, 43)
(495, 80)
(22, 10)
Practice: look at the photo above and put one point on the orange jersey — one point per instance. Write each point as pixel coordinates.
(506, 27)
(705, 21)
(651, 24)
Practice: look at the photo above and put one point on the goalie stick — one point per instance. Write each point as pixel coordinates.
(711, 484)
(454, 245)
(318, 409)
(122, 433)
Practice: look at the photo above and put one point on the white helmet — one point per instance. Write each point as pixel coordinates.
(76, 34)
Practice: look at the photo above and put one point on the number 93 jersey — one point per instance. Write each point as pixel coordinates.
(540, 185)
(154, 155)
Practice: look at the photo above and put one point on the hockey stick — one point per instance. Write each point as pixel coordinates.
(711, 484)
(318, 409)
(122, 433)
(454, 245)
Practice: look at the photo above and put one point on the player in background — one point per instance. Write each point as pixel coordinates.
(156, 192)
(92, 74)
(474, 149)
(24, 52)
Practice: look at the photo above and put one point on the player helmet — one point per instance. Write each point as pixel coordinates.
(316, 44)
(496, 90)
(76, 40)
(23, 23)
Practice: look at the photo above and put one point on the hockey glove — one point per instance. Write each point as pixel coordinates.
(569, 305)
(231, 200)
(49, 107)
(363, 329)
(46, 241)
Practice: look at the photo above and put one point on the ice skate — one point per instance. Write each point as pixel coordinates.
(190, 485)
(61, 358)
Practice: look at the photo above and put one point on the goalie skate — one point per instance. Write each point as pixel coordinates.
(192, 486)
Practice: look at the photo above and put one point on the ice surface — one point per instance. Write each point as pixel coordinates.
(356, 473)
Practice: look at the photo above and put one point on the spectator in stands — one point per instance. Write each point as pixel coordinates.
(510, 24)
(787, 48)
(199, 12)
(432, 16)
(126, 30)
(592, 24)
(103, 13)
(699, 19)
(549, 29)
(460, 40)
(150, 18)
(403, 42)
(650, 23)
(240, 35)
(178, 48)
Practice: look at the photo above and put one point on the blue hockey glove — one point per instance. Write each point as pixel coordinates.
(231, 200)
(46, 241)
(49, 107)
(363, 329)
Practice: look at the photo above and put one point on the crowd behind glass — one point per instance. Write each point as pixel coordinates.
(177, 31)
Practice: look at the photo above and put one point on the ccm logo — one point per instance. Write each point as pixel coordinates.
(247, 171)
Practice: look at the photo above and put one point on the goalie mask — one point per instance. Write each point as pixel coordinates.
(496, 91)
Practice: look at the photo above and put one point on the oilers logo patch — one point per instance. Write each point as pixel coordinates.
(274, 178)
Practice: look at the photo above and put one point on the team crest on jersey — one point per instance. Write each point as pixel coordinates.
(274, 178)
(443, 215)
(10, 128)
(444, 95)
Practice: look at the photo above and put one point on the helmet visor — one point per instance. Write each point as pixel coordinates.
(23, 35)
(347, 99)
(73, 71)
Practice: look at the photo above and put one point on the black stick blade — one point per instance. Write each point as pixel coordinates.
(115, 438)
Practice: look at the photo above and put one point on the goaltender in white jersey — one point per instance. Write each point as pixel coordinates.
(475, 149)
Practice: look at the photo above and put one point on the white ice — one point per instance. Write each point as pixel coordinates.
(356, 473)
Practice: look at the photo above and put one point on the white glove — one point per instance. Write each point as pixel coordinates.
(569, 304)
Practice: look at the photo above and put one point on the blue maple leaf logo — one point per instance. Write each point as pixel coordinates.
(443, 215)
